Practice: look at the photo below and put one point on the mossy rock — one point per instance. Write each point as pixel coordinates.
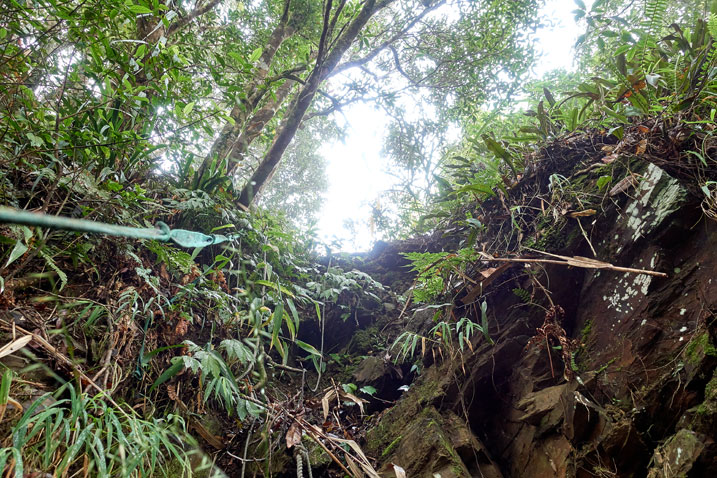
(363, 341)
(317, 456)
(198, 465)
(699, 348)
(433, 444)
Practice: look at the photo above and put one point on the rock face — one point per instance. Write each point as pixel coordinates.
(639, 399)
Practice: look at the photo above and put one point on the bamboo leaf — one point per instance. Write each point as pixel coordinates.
(17, 252)
(277, 317)
(176, 367)
(308, 348)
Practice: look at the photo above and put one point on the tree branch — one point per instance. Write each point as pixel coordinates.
(301, 104)
(387, 43)
(324, 31)
(197, 12)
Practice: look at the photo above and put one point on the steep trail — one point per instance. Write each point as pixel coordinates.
(579, 370)
(639, 394)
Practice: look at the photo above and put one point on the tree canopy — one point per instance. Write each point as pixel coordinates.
(215, 91)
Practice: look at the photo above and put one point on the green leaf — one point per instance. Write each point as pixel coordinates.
(17, 455)
(274, 286)
(368, 390)
(277, 317)
(603, 181)
(308, 348)
(5, 387)
(35, 141)
(294, 314)
(139, 9)
(50, 262)
(580, 4)
(75, 448)
(497, 149)
(17, 251)
(549, 96)
(255, 55)
(176, 367)
(318, 311)
(188, 108)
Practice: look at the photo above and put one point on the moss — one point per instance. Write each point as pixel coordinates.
(378, 436)
(581, 358)
(362, 341)
(556, 236)
(700, 347)
(317, 455)
(456, 462)
(604, 367)
(711, 389)
(391, 446)
(587, 329)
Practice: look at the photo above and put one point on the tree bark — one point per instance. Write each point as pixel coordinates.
(324, 67)
(256, 124)
(224, 143)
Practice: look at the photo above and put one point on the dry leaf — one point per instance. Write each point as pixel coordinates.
(487, 272)
(585, 213)
(207, 435)
(586, 262)
(609, 158)
(643, 129)
(423, 346)
(365, 464)
(172, 392)
(622, 186)
(331, 394)
(641, 147)
(15, 345)
(489, 275)
(180, 330)
(163, 272)
(293, 436)
(325, 402)
(354, 467)
(354, 399)
(400, 472)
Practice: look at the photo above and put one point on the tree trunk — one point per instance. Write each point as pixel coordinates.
(225, 142)
(256, 124)
(324, 67)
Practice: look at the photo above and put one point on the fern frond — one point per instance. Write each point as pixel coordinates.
(712, 25)
(522, 294)
(654, 14)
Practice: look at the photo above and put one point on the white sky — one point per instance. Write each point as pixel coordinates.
(356, 168)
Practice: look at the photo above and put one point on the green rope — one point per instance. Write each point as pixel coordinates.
(161, 233)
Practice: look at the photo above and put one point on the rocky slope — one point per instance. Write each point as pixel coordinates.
(638, 397)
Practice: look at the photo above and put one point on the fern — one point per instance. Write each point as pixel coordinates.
(654, 13)
(710, 53)
(712, 25)
(522, 294)
(51, 263)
